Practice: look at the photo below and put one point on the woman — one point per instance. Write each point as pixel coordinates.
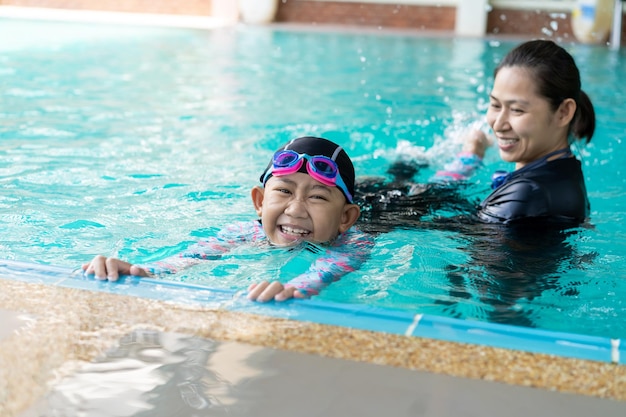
(536, 111)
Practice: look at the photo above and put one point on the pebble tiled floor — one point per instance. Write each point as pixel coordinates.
(53, 339)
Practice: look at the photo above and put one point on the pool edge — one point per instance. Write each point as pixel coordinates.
(363, 317)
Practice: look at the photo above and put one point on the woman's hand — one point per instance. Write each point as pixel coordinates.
(265, 291)
(111, 268)
(476, 142)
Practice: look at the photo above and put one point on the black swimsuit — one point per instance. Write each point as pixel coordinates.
(543, 192)
(553, 191)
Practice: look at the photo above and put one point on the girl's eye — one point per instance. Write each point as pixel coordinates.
(319, 197)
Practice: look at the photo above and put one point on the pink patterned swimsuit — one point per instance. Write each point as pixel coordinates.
(345, 254)
(460, 169)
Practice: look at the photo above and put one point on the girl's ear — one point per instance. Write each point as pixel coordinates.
(257, 194)
(350, 215)
(566, 111)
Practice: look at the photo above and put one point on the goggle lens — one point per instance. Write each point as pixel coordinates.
(324, 166)
(285, 159)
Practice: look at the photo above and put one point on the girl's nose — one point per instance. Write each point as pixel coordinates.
(296, 208)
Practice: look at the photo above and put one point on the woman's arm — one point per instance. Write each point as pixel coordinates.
(466, 162)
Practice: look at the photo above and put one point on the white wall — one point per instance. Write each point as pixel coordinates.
(555, 5)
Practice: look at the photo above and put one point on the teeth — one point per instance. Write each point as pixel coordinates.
(505, 142)
(293, 231)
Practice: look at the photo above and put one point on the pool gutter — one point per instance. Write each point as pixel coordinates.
(376, 319)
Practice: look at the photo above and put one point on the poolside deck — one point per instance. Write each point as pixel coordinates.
(51, 332)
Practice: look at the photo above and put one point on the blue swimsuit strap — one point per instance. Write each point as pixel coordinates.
(501, 177)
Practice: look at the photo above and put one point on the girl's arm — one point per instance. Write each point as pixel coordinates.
(212, 248)
(347, 254)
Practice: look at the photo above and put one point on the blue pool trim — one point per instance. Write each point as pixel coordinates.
(355, 316)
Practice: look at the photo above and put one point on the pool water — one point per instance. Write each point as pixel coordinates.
(135, 142)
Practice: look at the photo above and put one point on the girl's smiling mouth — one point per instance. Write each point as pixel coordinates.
(294, 231)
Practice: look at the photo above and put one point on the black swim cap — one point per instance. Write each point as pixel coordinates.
(315, 146)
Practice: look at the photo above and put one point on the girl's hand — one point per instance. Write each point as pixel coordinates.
(265, 291)
(111, 268)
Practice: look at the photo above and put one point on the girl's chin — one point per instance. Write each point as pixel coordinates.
(286, 242)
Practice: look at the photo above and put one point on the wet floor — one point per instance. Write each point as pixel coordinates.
(162, 374)
(10, 322)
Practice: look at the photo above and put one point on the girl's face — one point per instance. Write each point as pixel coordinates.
(295, 208)
(523, 122)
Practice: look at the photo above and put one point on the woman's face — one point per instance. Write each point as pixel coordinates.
(523, 122)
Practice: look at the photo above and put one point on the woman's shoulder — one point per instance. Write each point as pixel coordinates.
(563, 167)
(518, 189)
(553, 190)
(557, 173)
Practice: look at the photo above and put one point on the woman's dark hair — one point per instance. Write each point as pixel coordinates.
(557, 79)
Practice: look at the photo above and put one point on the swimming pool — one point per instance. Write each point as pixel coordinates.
(138, 141)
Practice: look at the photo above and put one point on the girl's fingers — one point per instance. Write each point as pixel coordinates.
(255, 290)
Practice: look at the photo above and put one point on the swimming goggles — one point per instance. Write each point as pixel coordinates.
(320, 168)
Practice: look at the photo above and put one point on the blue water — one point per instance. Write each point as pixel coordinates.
(137, 141)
